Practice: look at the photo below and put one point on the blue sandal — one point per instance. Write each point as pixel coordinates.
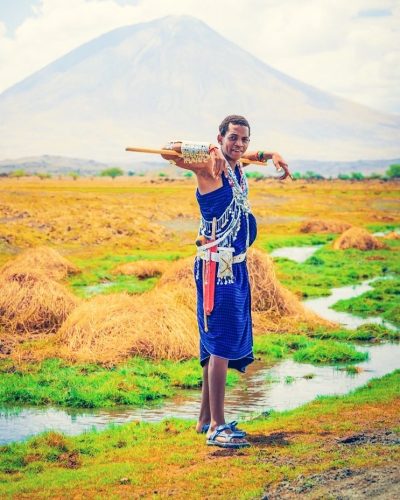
(220, 432)
(232, 426)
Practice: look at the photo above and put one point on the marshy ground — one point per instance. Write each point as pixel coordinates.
(344, 446)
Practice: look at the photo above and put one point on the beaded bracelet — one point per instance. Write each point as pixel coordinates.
(260, 156)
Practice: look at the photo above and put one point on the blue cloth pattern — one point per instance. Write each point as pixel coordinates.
(229, 333)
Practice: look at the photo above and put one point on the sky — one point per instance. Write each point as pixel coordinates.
(350, 48)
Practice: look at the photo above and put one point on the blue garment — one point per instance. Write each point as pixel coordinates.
(229, 333)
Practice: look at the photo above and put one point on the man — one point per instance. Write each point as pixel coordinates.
(223, 294)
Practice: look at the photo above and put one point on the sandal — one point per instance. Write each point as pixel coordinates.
(220, 432)
(232, 426)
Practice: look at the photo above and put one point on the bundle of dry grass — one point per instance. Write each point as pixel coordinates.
(392, 236)
(180, 274)
(142, 269)
(324, 226)
(267, 294)
(41, 259)
(160, 325)
(359, 238)
(32, 303)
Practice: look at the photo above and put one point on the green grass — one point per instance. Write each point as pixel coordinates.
(329, 352)
(383, 300)
(168, 456)
(329, 268)
(136, 382)
(306, 350)
(97, 271)
(364, 333)
(271, 242)
(276, 346)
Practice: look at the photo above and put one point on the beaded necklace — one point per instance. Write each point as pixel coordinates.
(229, 223)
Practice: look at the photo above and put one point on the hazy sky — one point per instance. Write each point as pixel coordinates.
(348, 47)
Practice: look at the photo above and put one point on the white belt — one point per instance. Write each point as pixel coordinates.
(214, 256)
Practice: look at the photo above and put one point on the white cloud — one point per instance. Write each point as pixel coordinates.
(348, 48)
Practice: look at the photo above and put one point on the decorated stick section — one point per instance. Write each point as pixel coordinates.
(171, 152)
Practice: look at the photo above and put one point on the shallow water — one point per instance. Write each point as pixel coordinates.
(322, 306)
(280, 387)
(261, 389)
(298, 254)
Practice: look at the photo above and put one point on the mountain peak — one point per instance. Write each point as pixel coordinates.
(175, 76)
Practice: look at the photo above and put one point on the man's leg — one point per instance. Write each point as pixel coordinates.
(205, 415)
(217, 370)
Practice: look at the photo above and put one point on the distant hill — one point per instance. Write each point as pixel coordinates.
(59, 165)
(175, 77)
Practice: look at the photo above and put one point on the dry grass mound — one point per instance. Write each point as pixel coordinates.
(324, 226)
(267, 294)
(32, 303)
(179, 274)
(42, 259)
(160, 325)
(359, 238)
(142, 269)
(392, 236)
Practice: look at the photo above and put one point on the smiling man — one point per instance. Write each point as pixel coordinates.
(227, 229)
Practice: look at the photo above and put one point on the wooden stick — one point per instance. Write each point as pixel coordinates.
(171, 152)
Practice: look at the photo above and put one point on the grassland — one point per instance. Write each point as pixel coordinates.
(101, 223)
(330, 444)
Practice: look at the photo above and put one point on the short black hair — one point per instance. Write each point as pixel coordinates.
(235, 120)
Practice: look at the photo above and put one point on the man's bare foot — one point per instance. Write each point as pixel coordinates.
(202, 427)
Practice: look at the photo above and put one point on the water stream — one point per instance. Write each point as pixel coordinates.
(285, 385)
(298, 254)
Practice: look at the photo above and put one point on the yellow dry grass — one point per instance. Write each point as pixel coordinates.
(30, 302)
(392, 236)
(359, 238)
(158, 325)
(41, 259)
(142, 269)
(162, 324)
(324, 226)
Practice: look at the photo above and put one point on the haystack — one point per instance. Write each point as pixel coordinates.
(32, 303)
(160, 325)
(180, 274)
(324, 226)
(142, 269)
(267, 294)
(359, 238)
(41, 259)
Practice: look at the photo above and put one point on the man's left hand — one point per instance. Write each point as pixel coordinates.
(280, 165)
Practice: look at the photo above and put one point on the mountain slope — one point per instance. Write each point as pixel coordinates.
(177, 78)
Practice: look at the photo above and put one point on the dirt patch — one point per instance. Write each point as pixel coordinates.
(343, 484)
(274, 439)
(381, 482)
(383, 437)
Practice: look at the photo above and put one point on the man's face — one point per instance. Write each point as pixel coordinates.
(235, 142)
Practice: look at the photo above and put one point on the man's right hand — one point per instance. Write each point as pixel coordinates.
(218, 162)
